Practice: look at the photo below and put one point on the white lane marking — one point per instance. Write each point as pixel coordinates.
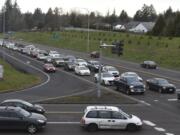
(60, 123)
(149, 123)
(169, 134)
(175, 99)
(156, 100)
(160, 129)
(59, 112)
(143, 102)
(37, 86)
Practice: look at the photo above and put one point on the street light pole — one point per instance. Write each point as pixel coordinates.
(4, 30)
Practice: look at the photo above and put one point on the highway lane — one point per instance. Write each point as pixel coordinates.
(64, 119)
(58, 85)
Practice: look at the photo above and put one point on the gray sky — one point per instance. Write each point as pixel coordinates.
(102, 6)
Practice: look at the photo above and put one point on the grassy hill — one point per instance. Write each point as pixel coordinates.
(15, 80)
(165, 51)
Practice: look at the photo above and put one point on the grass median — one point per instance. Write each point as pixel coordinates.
(15, 80)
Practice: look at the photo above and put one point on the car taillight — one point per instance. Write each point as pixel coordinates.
(82, 121)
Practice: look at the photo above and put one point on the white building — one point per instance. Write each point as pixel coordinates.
(143, 27)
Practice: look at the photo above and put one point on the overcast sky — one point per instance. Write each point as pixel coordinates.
(102, 6)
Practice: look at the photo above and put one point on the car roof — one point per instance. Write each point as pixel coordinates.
(129, 73)
(13, 100)
(109, 67)
(106, 108)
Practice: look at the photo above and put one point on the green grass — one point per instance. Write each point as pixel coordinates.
(15, 80)
(165, 51)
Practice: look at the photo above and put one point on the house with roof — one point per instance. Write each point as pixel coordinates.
(142, 27)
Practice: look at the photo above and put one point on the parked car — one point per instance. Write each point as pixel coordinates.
(54, 54)
(106, 78)
(110, 69)
(94, 54)
(57, 62)
(129, 85)
(94, 65)
(48, 67)
(149, 64)
(161, 85)
(132, 74)
(69, 66)
(80, 62)
(82, 70)
(109, 117)
(12, 118)
(24, 105)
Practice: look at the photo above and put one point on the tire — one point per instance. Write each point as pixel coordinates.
(128, 92)
(103, 83)
(95, 80)
(92, 127)
(147, 87)
(131, 127)
(160, 90)
(32, 129)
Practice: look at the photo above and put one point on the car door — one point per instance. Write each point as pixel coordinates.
(118, 120)
(105, 121)
(4, 120)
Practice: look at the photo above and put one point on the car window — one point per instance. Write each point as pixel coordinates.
(92, 114)
(105, 114)
(117, 115)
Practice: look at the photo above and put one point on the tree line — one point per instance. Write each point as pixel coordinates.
(54, 19)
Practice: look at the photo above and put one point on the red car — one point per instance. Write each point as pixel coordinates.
(94, 54)
(49, 68)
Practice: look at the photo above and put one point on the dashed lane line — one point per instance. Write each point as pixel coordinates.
(175, 99)
(65, 112)
(160, 129)
(169, 134)
(61, 123)
(149, 123)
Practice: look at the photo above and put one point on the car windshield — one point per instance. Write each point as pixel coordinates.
(132, 79)
(163, 81)
(107, 75)
(27, 103)
(150, 62)
(24, 112)
(82, 68)
(125, 114)
(131, 74)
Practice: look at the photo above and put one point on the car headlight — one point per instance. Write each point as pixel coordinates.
(132, 90)
(39, 109)
(41, 121)
(131, 87)
(164, 87)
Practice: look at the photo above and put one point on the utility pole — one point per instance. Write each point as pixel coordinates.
(4, 29)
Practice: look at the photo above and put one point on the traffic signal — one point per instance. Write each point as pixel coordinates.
(118, 48)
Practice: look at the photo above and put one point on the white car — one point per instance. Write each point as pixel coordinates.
(82, 70)
(109, 117)
(106, 78)
(54, 54)
(80, 62)
(132, 74)
(112, 70)
(41, 57)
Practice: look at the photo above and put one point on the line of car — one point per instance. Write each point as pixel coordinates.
(127, 82)
(95, 117)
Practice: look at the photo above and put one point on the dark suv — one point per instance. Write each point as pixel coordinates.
(12, 118)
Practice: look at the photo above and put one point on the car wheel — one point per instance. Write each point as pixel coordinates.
(131, 127)
(92, 127)
(160, 90)
(32, 129)
(147, 87)
(103, 83)
(128, 92)
(95, 80)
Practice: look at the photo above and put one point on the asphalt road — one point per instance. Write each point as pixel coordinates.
(160, 109)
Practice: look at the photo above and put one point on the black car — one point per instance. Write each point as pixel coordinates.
(16, 118)
(24, 105)
(69, 66)
(93, 65)
(161, 85)
(149, 64)
(129, 85)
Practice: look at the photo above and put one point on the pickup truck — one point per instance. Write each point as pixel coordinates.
(129, 85)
